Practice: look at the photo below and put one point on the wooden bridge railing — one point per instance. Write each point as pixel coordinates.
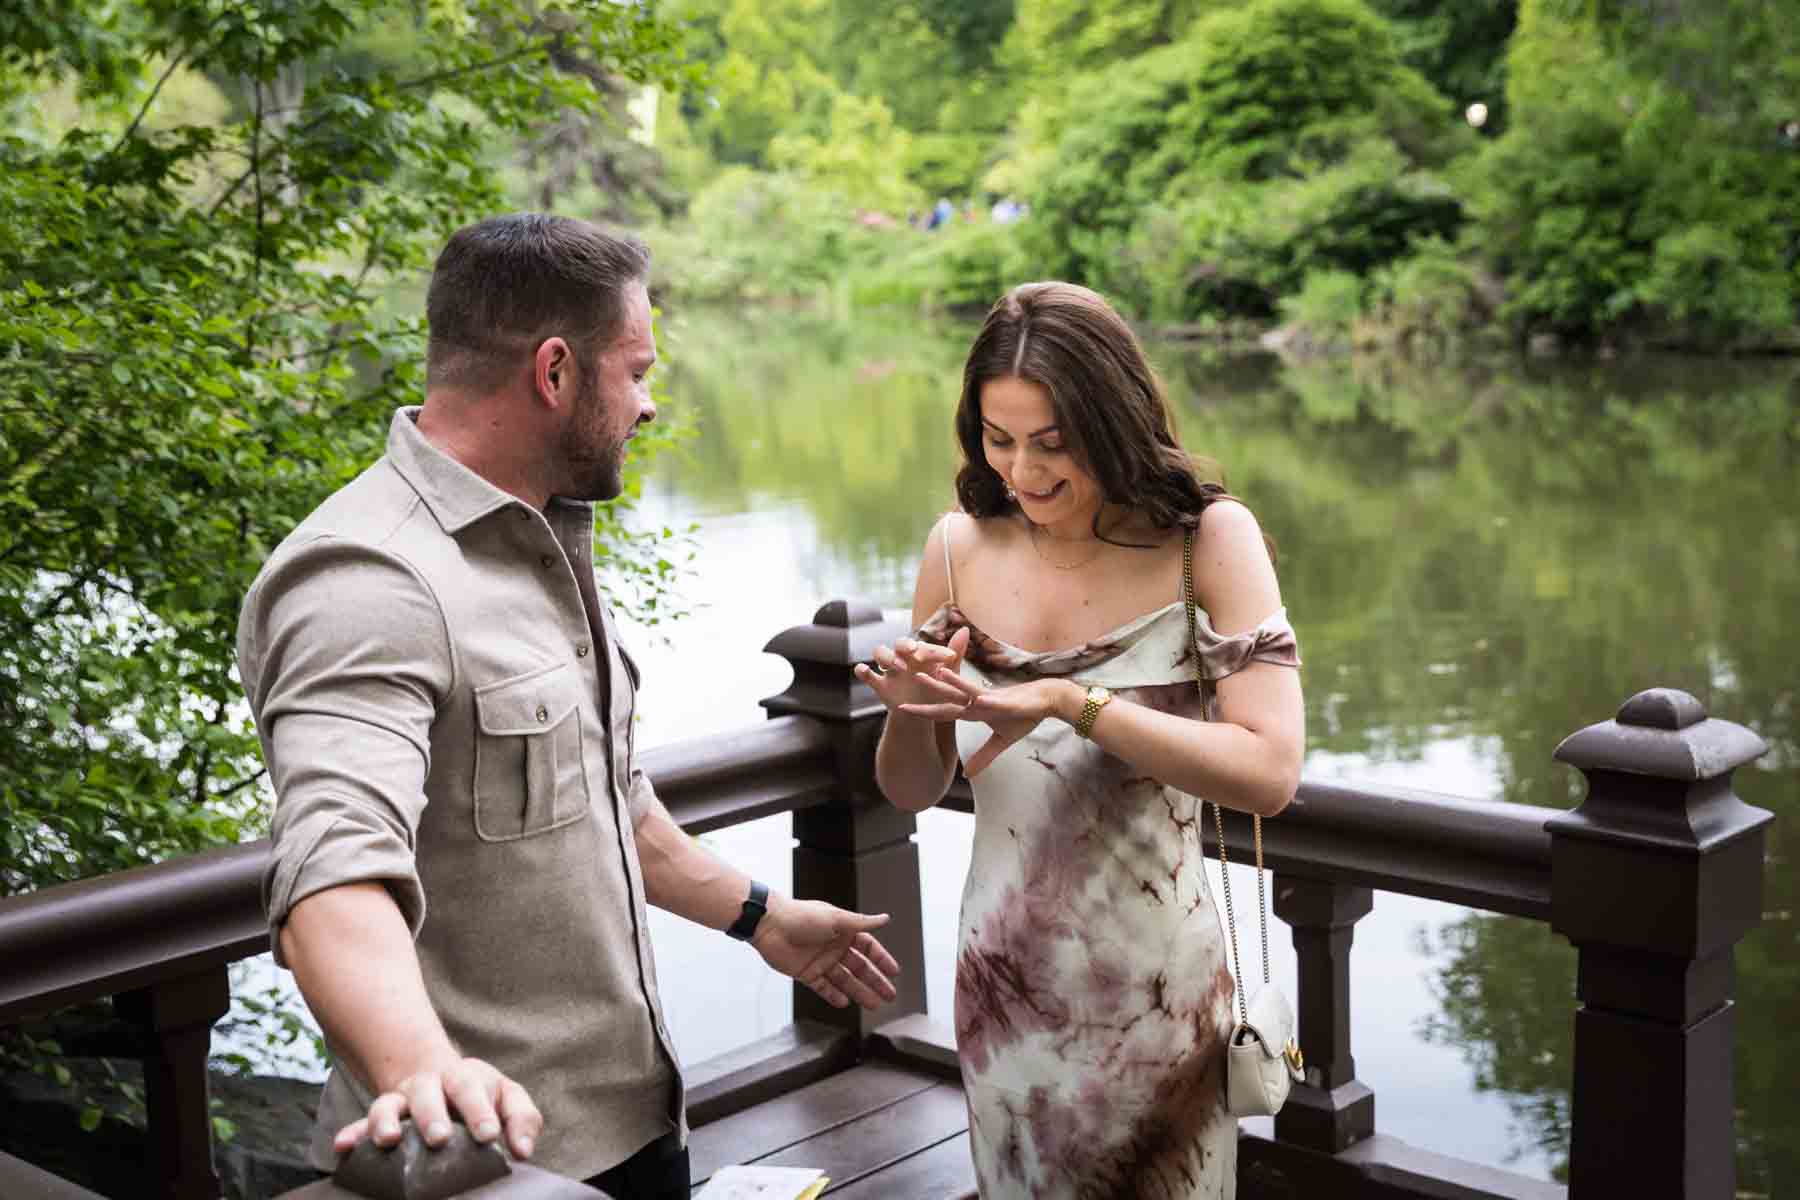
(1655, 877)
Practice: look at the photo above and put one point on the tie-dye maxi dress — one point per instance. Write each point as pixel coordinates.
(1093, 998)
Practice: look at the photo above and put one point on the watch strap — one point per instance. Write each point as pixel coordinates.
(1097, 699)
(756, 904)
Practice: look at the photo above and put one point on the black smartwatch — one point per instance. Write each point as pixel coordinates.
(755, 905)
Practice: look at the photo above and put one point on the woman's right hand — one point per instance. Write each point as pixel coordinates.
(907, 667)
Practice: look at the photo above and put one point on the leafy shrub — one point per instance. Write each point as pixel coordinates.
(1703, 277)
(1203, 180)
(1328, 306)
(1235, 249)
(964, 266)
(860, 157)
(1252, 94)
(756, 235)
(1428, 300)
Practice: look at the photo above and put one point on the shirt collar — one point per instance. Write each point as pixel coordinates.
(456, 496)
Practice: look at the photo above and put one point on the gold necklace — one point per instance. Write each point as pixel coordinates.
(1098, 547)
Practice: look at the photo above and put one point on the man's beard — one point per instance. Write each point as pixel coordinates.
(595, 468)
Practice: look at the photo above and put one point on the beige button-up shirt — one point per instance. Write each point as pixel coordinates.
(444, 706)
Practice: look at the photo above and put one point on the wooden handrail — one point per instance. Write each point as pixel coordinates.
(1484, 854)
(777, 766)
(131, 929)
(1660, 820)
(115, 933)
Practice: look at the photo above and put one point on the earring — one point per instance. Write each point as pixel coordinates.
(1011, 495)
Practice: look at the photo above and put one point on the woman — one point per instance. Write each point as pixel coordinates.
(1054, 656)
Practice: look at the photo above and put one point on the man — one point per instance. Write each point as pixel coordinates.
(463, 847)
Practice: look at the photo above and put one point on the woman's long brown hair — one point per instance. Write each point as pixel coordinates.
(1108, 401)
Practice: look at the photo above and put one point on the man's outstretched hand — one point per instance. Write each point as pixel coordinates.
(829, 949)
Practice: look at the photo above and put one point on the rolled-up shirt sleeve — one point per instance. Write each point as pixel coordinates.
(346, 659)
(640, 796)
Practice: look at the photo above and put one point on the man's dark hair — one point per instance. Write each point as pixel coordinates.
(504, 284)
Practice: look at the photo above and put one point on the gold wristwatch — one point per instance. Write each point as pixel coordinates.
(1097, 699)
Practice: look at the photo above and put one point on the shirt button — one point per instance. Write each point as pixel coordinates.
(547, 560)
(543, 714)
(581, 650)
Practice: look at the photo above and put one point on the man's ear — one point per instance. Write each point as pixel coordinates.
(553, 372)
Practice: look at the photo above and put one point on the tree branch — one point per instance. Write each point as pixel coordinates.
(404, 85)
(206, 754)
(239, 786)
(437, 77)
(56, 601)
(256, 261)
(332, 347)
(174, 65)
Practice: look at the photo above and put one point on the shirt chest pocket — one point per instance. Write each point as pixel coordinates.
(530, 762)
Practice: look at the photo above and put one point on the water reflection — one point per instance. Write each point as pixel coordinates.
(1480, 560)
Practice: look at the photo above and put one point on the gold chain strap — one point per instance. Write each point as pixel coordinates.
(1237, 967)
(1262, 900)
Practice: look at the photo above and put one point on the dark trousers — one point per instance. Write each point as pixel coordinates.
(657, 1172)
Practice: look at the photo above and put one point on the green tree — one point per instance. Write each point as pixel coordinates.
(204, 324)
(1053, 38)
(860, 157)
(1598, 226)
(763, 74)
(781, 69)
(1460, 48)
(1274, 137)
(972, 29)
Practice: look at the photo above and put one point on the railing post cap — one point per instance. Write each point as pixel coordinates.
(824, 655)
(1662, 708)
(1663, 733)
(842, 614)
(842, 634)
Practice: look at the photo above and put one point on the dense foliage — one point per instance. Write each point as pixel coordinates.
(214, 217)
(1646, 174)
(1603, 172)
(1274, 139)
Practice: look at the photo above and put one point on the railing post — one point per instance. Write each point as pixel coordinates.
(177, 1017)
(1654, 878)
(1333, 1109)
(857, 851)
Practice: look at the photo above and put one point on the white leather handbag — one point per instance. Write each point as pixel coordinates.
(1262, 1060)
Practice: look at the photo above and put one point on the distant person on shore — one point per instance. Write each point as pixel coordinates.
(1054, 657)
(463, 844)
(942, 213)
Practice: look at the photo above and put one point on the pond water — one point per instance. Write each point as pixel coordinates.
(1479, 560)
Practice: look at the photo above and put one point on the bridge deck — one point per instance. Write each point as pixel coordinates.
(878, 1130)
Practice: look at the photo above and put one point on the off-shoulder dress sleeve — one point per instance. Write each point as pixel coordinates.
(1271, 641)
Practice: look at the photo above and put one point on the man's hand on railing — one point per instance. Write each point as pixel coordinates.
(487, 1101)
(829, 949)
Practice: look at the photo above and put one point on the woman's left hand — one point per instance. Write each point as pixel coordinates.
(1011, 712)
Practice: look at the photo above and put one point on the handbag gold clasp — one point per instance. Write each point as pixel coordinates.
(1295, 1059)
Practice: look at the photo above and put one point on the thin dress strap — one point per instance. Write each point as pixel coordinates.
(949, 575)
